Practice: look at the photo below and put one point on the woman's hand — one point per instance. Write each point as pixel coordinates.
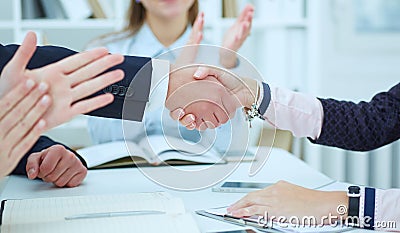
(235, 37)
(21, 121)
(289, 200)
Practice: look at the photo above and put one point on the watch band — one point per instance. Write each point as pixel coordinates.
(354, 205)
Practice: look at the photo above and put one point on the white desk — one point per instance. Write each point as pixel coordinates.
(280, 166)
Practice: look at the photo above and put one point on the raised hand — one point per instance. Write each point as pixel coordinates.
(56, 165)
(235, 37)
(21, 123)
(189, 52)
(71, 80)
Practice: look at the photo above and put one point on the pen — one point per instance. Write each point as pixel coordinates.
(114, 214)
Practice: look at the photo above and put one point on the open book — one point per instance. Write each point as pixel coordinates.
(154, 149)
(139, 212)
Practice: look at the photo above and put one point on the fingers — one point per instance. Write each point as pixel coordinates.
(247, 12)
(22, 128)
(22, 146)
(75, 62)
(77, 178)
(14, 96)
(19, 111)
(189, 52)
(203, 72)
(50, 160)
(87, 88)
(67, 169)
(59, 166)
(94, 68)
(189, 120)
(177, 114)
(221, 116)
(244, 202)
(250, 211)
(33, 163)
(88, 105)
(196, 35)
(24, 53)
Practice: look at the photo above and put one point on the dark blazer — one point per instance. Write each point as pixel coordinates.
(133, 88)
(364, 126)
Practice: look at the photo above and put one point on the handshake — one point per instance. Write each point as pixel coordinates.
(205, 97)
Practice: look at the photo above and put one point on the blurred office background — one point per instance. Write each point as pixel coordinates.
(346, 49)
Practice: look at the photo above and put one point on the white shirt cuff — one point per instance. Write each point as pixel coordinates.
(159, 84)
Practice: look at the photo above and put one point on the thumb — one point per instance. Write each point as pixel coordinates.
(33, 164)
(24, 52)
(203, 72)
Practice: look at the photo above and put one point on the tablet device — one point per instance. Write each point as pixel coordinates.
(240, 187)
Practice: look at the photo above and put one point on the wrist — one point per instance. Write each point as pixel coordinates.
(251, 91)
(337, 205)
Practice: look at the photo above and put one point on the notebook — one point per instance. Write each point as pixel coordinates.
(138, 212)
(153, 150)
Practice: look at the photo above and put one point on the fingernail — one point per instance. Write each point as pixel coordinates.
(189, 119)
(45, 100)
(31, 172)
(41, 124)
(181, 113)
(43, 87)
(198, 73)
(29, 83)
(192, 126)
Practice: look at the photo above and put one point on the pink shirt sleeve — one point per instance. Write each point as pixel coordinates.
(299, 113)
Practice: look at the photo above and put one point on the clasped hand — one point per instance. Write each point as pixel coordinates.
(204, 97)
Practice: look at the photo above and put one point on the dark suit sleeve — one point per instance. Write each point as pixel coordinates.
(134, 88)
(42, 144)
(364, 126)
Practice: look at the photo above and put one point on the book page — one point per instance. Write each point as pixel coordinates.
(53, 214)
(106, 152)
(170, 148)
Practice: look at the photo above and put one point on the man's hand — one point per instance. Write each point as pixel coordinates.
(70, 80)
(207, 99)
(56, 165)
(240, 92)
(235, 37)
